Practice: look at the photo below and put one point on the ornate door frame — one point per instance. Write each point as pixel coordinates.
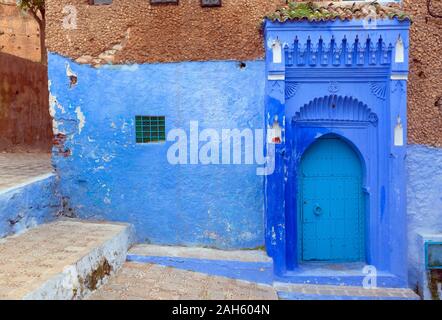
(307, 61)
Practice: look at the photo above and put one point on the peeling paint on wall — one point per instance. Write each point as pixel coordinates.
(71, 75)
(81, 119)
(104, 174)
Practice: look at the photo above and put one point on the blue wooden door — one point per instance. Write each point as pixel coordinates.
(332, 215)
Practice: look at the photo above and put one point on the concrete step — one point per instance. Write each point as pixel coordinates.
(288, 291)
(246, 265)
(66, 259)
(149, 250)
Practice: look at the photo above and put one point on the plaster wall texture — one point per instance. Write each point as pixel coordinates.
(232, 32)
(28, 206)
(104, 174)
(424, 193)
(19, 33)
(25, 122)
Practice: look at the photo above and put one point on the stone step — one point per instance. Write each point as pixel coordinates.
(149, 250)
(246, 265)
(66, 259)
(288, 291)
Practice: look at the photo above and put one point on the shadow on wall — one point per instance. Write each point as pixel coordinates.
(25, 123)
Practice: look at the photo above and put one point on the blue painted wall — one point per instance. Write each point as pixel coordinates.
(424, 194)
(108, 176)
(27, 206)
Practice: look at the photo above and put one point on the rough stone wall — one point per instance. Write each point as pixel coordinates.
(25, 123)
(160, 33)
(19, 33)
(425, 79)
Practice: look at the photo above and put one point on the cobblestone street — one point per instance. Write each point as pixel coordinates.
(154, 282)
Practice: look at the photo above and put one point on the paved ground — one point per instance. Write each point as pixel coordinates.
(30, 260)
(63, 260)
(168, 272)
(331, 292)
(154, 282)
(19, 168)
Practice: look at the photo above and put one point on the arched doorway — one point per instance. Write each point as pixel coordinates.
(332, 210)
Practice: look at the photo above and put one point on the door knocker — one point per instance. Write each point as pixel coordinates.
(317, 210)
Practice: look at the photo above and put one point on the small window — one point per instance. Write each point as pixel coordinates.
(150, 129)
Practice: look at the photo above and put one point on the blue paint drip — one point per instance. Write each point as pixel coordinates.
(383, 200)
(258, 272)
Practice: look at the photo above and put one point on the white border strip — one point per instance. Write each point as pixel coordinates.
(276, 77)
(399, 77)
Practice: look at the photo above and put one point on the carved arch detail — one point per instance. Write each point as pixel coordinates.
(336, 108)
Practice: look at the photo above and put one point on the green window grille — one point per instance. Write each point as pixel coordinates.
(150, 129)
